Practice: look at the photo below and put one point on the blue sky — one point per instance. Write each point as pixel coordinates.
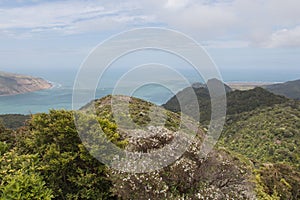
(242, 36)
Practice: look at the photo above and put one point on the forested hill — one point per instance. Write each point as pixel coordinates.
(47, 160)
(237, 101)
(270, 138)
(12, 84)
(290, 89)
(256, 157)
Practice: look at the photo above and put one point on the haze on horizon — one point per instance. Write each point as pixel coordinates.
(243, 37)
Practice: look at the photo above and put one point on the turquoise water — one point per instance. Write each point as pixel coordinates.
(60, 96)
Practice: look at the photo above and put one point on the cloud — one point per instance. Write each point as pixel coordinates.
(250, 21)
(68, 17)
(204, 21)
(284, 38)
(176, 4)
(254, 22)
(225, 44)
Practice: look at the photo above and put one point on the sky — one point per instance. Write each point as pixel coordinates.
(247, 39)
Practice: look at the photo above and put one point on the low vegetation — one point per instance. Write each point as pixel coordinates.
(256, 158)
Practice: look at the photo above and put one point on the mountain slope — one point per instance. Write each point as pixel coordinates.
(229, 176)
(50, 149)
(13, 121)
(12, 84)
(290, 89)
(237, 101)
(270, 138)
(264, 127)
(270, 134)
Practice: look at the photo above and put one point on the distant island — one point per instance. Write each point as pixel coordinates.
(12, 84)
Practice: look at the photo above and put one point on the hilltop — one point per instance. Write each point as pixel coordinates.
(237, 101)
(12, 84)
(229, 175)
(58, 166)
(256, 157)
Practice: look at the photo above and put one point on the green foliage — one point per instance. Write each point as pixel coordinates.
(266, 135)
(20, 179)
(270, 135)
(237, 102)
(277, 181)
(245, 101)
(68, 168)
(140, 113)
(7, 138)
(47, 159)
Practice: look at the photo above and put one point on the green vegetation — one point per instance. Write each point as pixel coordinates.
(14, 121)
(277, 181)
(266, 135)
(257, 156)
(237, 101)
(270, 138)
(290, 89)
(264, 128)
(49, 151)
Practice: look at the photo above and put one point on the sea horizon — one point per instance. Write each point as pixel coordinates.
(60, 95)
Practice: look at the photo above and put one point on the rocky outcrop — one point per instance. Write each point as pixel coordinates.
(12, 84)
(220, 175)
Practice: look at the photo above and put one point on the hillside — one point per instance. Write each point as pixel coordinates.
(265, 128)
(58, 166)
(290, 89)
(274, 133)
(187, 177)
(13, 121)
(270, 138)
(237, 101)
(257, 156)
(12, 84)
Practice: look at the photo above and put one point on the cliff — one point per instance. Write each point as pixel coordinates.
(12, 84)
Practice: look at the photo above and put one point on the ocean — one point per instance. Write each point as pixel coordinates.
(60, 95)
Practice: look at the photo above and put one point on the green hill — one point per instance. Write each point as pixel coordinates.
(49, 150)
(290, 89)
(237, 101)
(256, 158)
(264, 127)
(270, 135)
(14, 121)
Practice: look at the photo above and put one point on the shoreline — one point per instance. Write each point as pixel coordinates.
(9, 95)
(37, 84)
(248, 85)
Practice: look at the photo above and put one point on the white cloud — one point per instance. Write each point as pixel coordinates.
(284, 38)
(68, 17)
(225, 44)
(254, 22)
(176, 4)
(250, 21)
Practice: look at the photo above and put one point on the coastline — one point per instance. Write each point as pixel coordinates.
(247, 85)
(15, 94)
(14, 84)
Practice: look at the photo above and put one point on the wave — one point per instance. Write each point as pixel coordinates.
(55, 85)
